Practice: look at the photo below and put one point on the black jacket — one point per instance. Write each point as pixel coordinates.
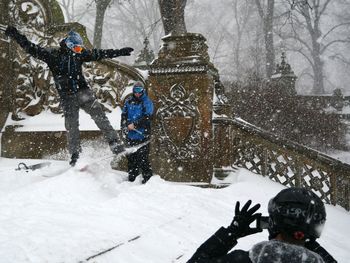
(65, 65)
(216, 248)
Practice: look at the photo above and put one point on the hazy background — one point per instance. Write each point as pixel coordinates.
(234, 33)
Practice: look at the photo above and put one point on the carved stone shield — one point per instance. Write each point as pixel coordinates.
(178, 123)
(178, 128)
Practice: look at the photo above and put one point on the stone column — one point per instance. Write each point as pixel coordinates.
(181, 83)
(6, 66)
(284, 77)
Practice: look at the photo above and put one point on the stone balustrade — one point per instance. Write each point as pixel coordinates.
(281, 160)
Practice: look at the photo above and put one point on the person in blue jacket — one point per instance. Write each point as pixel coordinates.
(66, 64)
(136, 123)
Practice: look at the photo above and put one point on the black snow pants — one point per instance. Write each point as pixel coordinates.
(139, 162)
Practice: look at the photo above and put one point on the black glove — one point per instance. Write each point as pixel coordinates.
(125, 51)
(11, 31)
(240, 224)
(125, 130)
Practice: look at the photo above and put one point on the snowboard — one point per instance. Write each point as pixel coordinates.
(127, 151)
(131, 149)
(22, 166)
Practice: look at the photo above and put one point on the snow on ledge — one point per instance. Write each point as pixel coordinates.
(48, 121)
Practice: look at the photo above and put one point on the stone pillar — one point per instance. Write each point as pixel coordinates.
(181, 83)
(25, 15)
(145, 58)
(6, 66)
(284, 77)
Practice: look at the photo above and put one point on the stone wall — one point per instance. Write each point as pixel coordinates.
(38, 145)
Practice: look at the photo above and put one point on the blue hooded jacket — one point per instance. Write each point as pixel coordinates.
(139, 112)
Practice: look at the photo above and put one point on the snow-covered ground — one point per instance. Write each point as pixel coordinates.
(73, 215)
(60, 214)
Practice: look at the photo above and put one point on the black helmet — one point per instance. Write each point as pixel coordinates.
(296, 212)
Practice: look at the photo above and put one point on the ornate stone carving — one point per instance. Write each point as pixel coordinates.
(29, 13)
(34, 89)
(180, 69)
(178, 117)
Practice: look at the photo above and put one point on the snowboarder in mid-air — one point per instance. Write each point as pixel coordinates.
(296, 218)
(65, 64)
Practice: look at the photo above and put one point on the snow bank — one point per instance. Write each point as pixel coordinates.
(74, 215)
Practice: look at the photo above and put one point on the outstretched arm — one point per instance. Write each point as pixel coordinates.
(97, 54)
(31, 48)
(216, 247)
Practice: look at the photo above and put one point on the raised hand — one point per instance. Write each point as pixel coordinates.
(243, 218)
(126, 51)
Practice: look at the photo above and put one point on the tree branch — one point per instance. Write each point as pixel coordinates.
(333, 42)
(260, 9)
(335, 27)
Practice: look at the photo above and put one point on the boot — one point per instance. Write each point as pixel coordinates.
(116, 148)
(74, 158)
(146, 178)
(131, 177)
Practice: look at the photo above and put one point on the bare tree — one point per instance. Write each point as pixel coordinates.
(74, 12)
(267, 16)
(68, 8)
(314, 44)
(131, 22)
(242, 13)
(173, 16)
(101, 7)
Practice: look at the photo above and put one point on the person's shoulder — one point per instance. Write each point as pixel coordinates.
(146, 98)
(86, 51)
(52, 50)
(129, 99)
(279, 251)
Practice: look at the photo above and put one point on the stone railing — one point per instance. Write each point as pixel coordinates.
(291, 164)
